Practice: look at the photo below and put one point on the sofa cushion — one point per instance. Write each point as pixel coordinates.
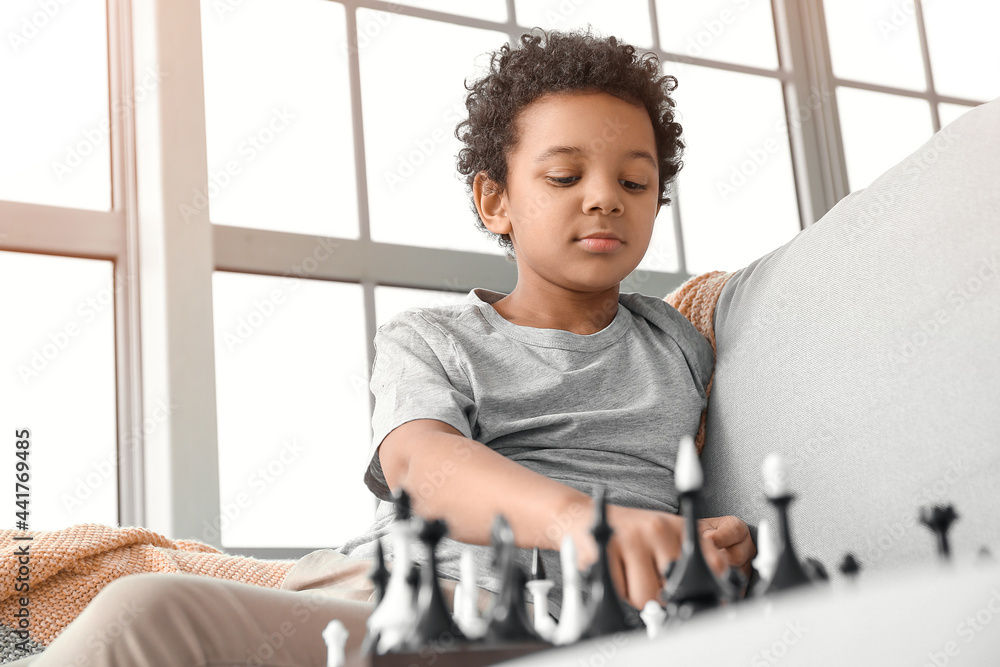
(866, 351)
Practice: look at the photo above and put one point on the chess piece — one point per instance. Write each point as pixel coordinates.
(939, 519)
(434, 623)
(467, 599)
(572, 615)
(335, 636)
(737, 584)
(691, 584)
(654, 617)
(850, 567)
(539, 586)
(391, 622)
(788, 571)
(379, 575)
(767, 552)
(607, 614)
(815, 570)
(508, 617)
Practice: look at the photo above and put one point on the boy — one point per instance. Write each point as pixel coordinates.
(515, 403)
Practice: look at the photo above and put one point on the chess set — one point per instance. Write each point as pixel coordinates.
(412, 626)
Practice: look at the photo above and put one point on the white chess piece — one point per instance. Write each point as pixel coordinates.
(544, 625)
(394, 618)
(654, 616)
(335, 636)
(467, 599)
(572, 616)
(767, 551)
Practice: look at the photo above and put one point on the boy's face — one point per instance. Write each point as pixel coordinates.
(553, 200)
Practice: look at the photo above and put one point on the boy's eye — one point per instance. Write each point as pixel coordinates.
(565, 180)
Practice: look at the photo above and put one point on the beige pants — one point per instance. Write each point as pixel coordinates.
(156, 619)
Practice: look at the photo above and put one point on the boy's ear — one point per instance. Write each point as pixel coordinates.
(490, 204)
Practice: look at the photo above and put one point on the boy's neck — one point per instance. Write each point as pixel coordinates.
(576, 312)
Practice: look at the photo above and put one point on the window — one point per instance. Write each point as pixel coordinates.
(290, 200)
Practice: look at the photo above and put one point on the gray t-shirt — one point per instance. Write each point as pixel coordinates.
(606, 408)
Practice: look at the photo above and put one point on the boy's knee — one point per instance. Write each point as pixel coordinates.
(132, 595)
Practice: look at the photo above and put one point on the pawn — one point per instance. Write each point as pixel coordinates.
(788, 571)
(654, 617)
(467, 599)
(849, 567)
(939, 519)
(572, 615)
(335, 636)
(434, 624)
(607, 613)
(508, 617)
(691, 584)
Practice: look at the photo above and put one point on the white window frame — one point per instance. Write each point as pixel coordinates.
(169, 474)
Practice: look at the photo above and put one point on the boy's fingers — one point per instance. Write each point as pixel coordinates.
(727, 531)
(642, 581)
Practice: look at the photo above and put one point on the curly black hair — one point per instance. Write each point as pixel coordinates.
(558, 62)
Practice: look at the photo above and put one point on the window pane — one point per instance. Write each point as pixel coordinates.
(491, 10)
(949, 112)
(879, 130)
(58, 346)
(876, 42)
(278, 117)
(736, 190)
(963, 45)
(415, 196)
(293, 414)
(662, 252)
(740, 31)
(628, 19)
(54, 124)
(390, 301)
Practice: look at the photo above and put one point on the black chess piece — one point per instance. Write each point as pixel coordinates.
(939, 519)
(379, 574)
(691, 584)
(737, 584)
(607, 613)
(850, 567)
(537, 566)
(508, 616)
(815, 570)
(788, 571)
(434, 623)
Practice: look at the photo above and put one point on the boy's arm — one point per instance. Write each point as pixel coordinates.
(467, 484)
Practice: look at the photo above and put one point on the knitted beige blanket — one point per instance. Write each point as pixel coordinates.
(696, 300)
(64, 569)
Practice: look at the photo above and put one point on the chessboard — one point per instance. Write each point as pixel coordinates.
(411, 625)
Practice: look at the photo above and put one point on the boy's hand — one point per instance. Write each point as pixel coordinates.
(732, 536)
(645, 542)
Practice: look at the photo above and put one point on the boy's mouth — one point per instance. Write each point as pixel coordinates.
(600, 243)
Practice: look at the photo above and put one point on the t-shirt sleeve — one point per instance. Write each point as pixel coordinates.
(417, 374)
